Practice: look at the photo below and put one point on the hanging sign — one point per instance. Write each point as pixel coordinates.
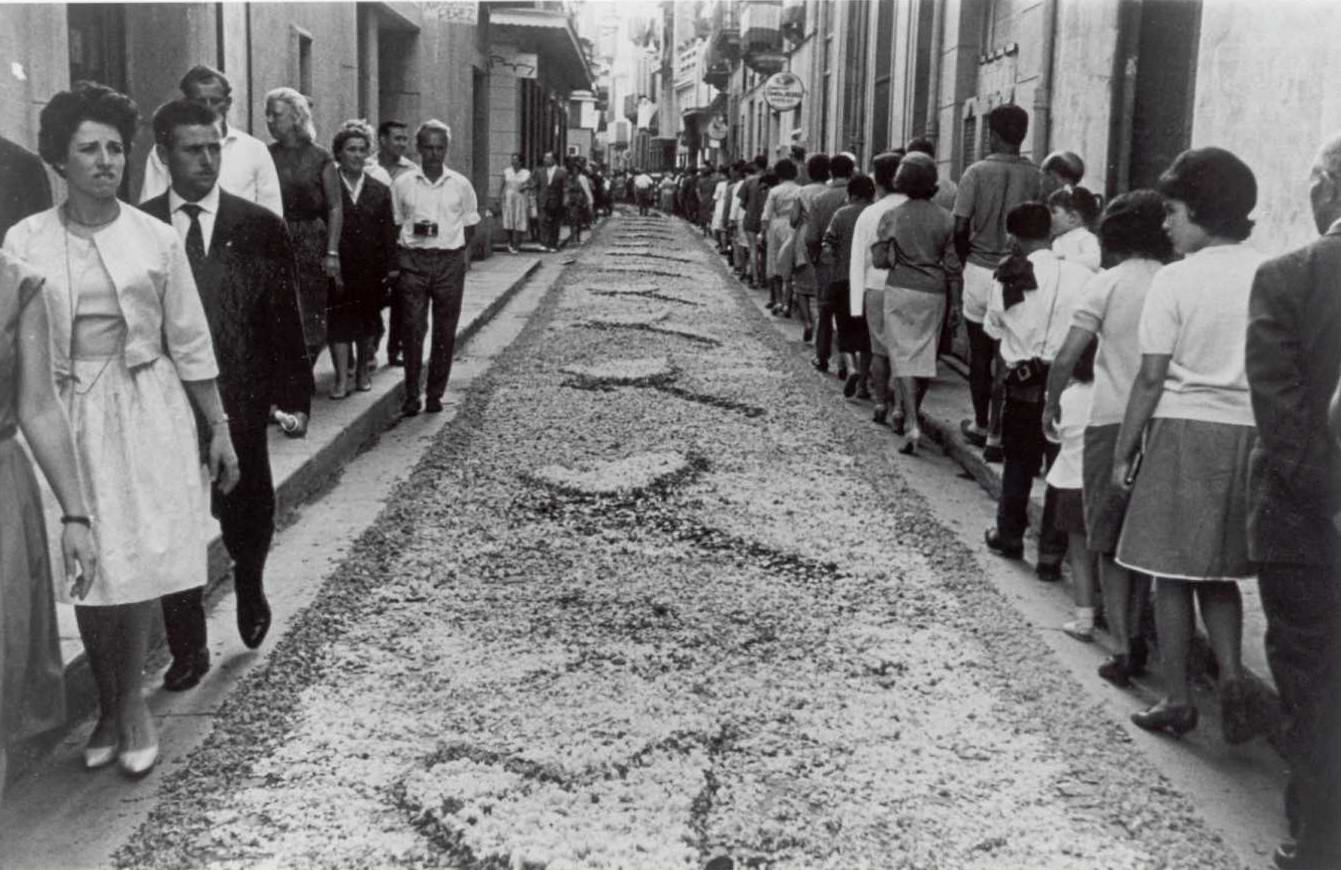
(783, 91)
(717, 128)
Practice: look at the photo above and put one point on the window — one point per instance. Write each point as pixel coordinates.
(854, 77)
(884, 57)
(300, 43)
(968, 142)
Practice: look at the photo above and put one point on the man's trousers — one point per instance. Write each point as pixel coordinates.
(435, 278)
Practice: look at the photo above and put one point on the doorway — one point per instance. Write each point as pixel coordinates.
(1168, 33)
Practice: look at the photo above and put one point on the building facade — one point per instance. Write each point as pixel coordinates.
(454, 61)
(1127, 84)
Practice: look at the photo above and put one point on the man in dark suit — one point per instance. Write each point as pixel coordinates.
(244, 268)
(1293, 359)
(24, 189)
(553, 184)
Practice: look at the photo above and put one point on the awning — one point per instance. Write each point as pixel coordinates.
(548, 34)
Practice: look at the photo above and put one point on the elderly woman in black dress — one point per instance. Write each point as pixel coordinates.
(367, 252)
(310, 187)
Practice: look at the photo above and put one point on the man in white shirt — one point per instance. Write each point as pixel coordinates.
(1031, 326)
(642, 189)
(393, 140)
(247, 169)
(436, 211)
(866, 284)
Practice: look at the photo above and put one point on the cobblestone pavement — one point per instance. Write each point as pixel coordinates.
(649, 602)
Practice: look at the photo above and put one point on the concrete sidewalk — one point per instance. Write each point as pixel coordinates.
(305, 466)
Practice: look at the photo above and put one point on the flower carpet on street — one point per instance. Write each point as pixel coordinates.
(651, 601)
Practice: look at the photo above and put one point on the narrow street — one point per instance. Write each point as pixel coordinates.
(652, 597)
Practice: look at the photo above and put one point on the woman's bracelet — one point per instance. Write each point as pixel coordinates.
(219, 421)
(76, 519)
(335, 254)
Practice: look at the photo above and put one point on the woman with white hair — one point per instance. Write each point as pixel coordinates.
(310, 186)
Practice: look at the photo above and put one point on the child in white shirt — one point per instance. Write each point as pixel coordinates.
(1074, 211)
(1065, 484)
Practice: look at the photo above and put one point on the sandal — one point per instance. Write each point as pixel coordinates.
(340, 394)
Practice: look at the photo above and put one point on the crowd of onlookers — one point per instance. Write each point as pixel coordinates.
(1171, 383)
(145, 351)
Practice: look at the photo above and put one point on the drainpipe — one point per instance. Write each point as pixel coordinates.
(933, 121)
(1042, 120)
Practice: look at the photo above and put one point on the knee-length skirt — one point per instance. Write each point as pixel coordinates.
(135, 435)
(1188, 514)
(912, 331)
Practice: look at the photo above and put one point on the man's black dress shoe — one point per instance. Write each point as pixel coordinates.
(410, 408)
(1175, 719)
(186, 671)
(433, 406)
(999, 544)
(1298, 856)
(253, 621)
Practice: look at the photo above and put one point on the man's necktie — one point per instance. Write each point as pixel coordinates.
(195, 237)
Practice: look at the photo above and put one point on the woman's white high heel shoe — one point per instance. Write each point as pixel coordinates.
(99, 756)
(138, 762)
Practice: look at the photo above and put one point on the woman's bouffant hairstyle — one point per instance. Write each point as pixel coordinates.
(1079, 200)
(1219, 189)
(85, 101)
(355, 128)
(299, 106)
(1133, 226)
(862, 187)
(885, 166)
(785, 170)
(917, 176)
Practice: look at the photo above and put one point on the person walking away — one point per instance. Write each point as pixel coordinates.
(512, 197)
(1134, 242)
(915, 243)
(129, 343)
(1066, 489)
(736, 220)
(436, 211)
(578, 197)
(854, 343)
(1187, 518)
(823, 207)
(368, 252)
(247, 169)
(240, 256)
(1293, 359)
(1033, 297)
(719, 209)
(866, 293)
(642, 189)
(32, 690)
(776, 220)
(753, 193)
(553, 186)
(988, 190)
(310, 185)
(1074, 211)
(806, 244)
(706, 188)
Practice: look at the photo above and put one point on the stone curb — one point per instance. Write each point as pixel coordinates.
(315, 474)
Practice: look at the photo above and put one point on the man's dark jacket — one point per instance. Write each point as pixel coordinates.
(248, 284)
(1293, 360)
(552, 193)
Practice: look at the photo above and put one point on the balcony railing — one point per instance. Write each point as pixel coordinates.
(761, 35)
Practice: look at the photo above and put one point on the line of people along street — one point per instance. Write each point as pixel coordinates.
(1170, 382)
(145, 352)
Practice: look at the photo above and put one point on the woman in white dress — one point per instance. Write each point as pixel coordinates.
(129, 342)
(512, 195)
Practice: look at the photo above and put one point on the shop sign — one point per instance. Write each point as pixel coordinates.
(783, 91)
(717, 128)
(521, 64)
(455, 11)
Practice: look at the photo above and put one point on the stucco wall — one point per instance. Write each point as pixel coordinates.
(1082, 81)
(1260, 57)
(35, 53)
